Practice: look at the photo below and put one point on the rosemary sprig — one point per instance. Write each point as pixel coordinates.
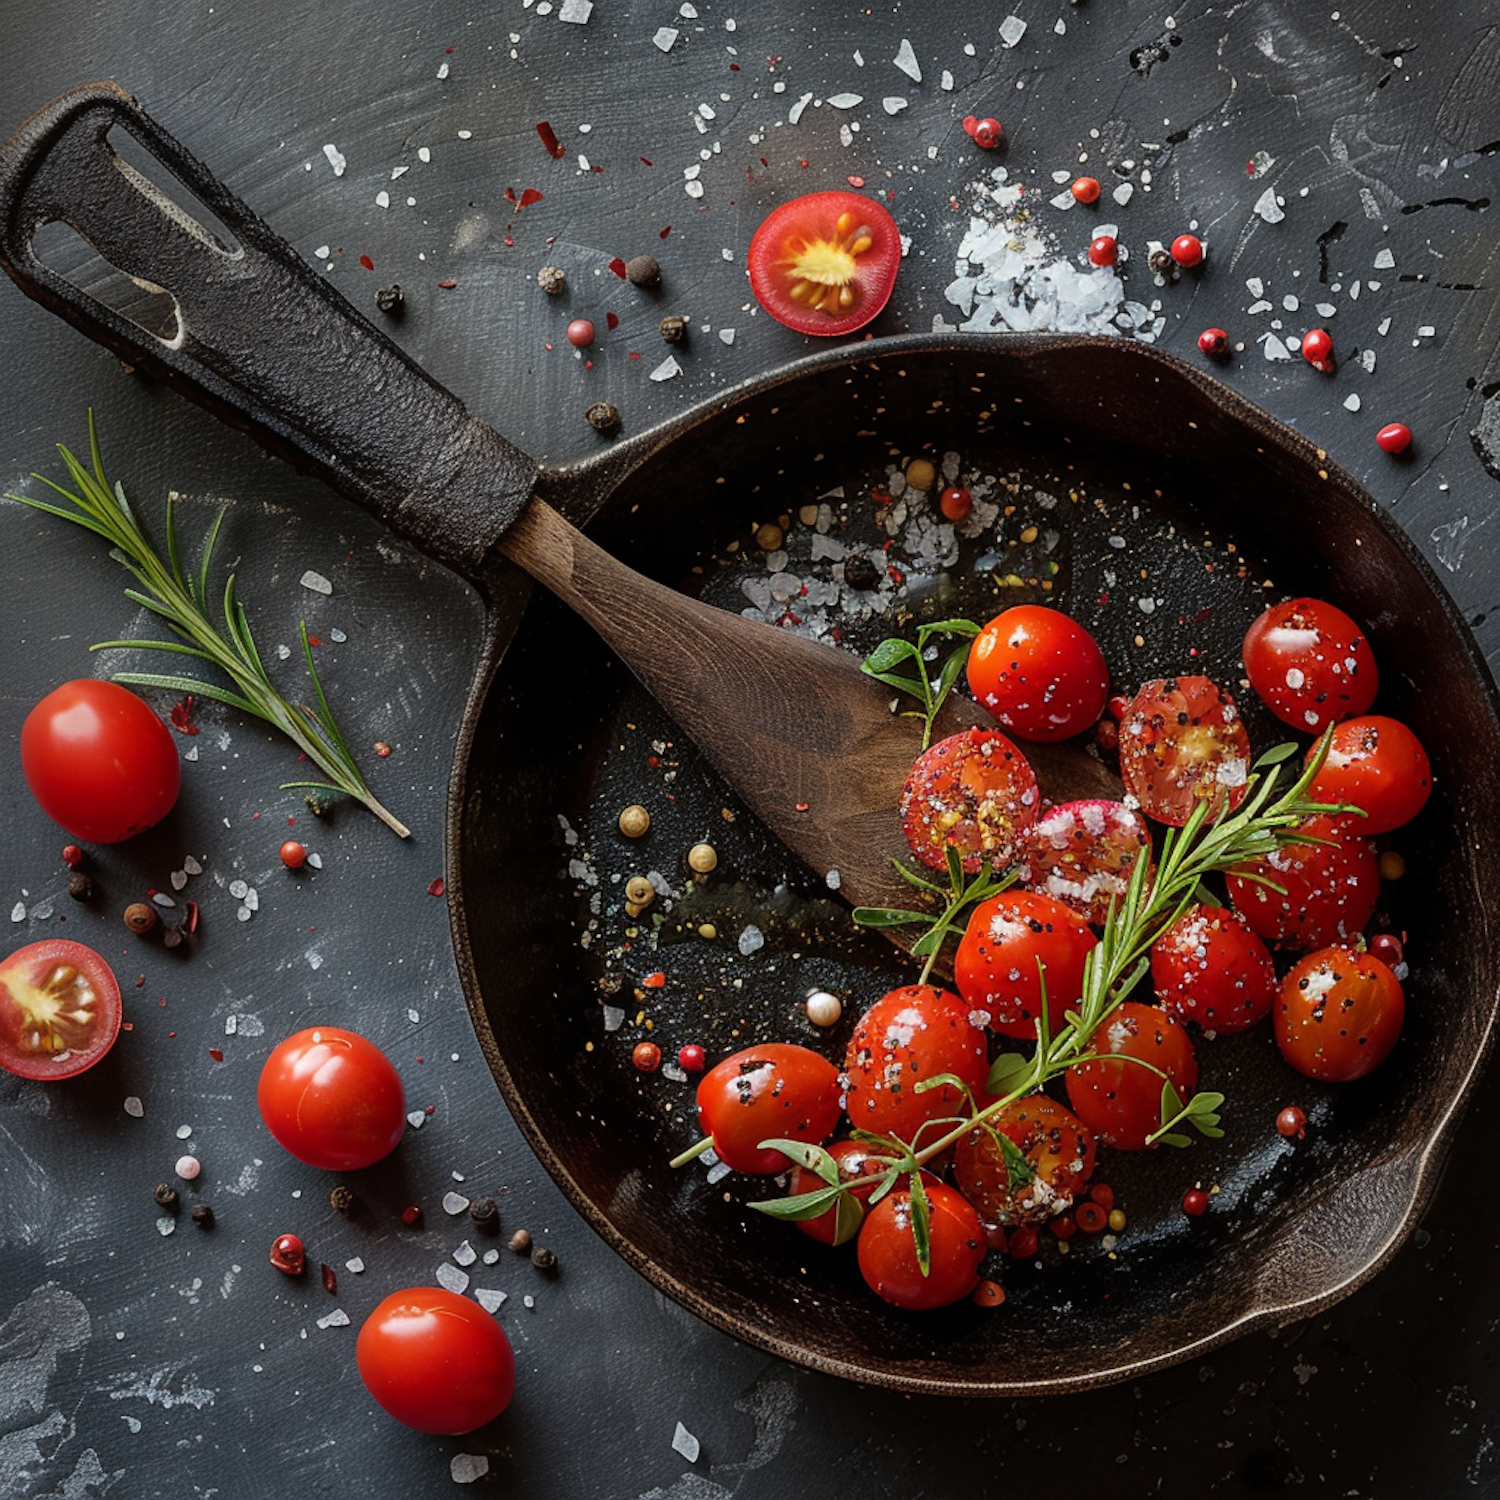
(902, 664)
(181, 598)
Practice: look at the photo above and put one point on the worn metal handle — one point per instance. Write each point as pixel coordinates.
(261, 339)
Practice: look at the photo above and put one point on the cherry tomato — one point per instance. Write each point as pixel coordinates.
(1310, 664)
(1059, 1148)
(332, 1099)
(59, 1009)
(974, 792)
(776, 1091)
(1331, 888)
(840, 1222)
(1119, 1100)
(99, 761)
(825, 263)
(1040, 673)
(912, 1033)
(888, 1249)
(436, 1361)
(1339, 1015)
(1182, 743)
(1082, 853)
(1209, 967)
(1011, 940)
(1379, 765)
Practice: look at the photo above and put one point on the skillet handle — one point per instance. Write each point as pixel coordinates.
(261, 340)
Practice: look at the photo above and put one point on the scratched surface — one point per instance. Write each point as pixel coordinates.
(1345, 154)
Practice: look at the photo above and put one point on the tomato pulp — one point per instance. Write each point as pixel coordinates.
(59, 1009)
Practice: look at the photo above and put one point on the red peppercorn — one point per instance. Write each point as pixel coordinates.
(72, 856)
(1292, 1122)
(1317, 349)
(411, 1216)
(1090, 1217)
(1104, 251)
(1023, 1242)
(646, 1056)
(580, 333)
(986, 132)
(1064, 1226)
(1195, 1203)
(1107, 735)
(1386, 946)
(288, 1255)
(1086, 189)
(1214, 342)
(1102, 1194)
(1117, 707)
(293, 855)
(1187, 250)
(1394, 438)
(955, 502)
(692, 1058)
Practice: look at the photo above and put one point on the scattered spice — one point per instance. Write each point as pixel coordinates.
(330, 1279)
(164, 1195)
(80, 887)
(692, 1058)
(188, 1167)
(643, 270)
(1104, 251)
(552, 279)
(1214, 342)
(1317, 350)
(543, 1258)
(437, 887)
(702, 859)
(293, 855)
(520, 1241)
(1292, 1123)
(635, 821)
(1394, 438)
(1195, 1203)
(603, 417)
(550, 142)
(987, 1294)
(646, 1056)
(823, 1009)
(72, 856)
(341, 1198)
(1187, 251)
(580, 333)
(391, 299)
(140, 917)
(1085, 190)
(203, 1216)
(411, 1216)
(672, 328)
(485, 1214)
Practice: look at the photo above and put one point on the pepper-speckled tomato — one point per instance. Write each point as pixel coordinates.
(1376, 764)
(1119, 1100)
(776, 1091)
(974, 792)
(1210, 967)
(888, 1249)
(1082, 854)
(840, 1222)
(1059, 1148)
(1182, 743)
(1339, 1014)
(825, 263)
(59, 1009)
(1039, 672)
(1310, 664)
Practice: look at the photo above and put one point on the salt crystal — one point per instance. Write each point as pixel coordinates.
(252, 899)
(1012, 29)
(338, 1318)
(18, 912)
(179, 879)
(795, 112)
(846, 101)
(243, 914)
(946, 82)
(1325, 309)
(467, 1467)
(338, 162)
(667, 368)
(614, 1018)
(1123, 193)
(906, 60)
(315, 860)
(413, 1015)
(1384, 260)
(192, 866)
(316, 582)
(491, 1299)
(726, 335)
(688, 11)
(833, 880)
(693, 190)
(1060, 27)
(166, 1224)
(1426, 331)
(686, 1444)
(577, 12)
(528, 1300)
(1383, 327)
(451, 1279)
(719, 1171)
(1259, 307)
(416, 1118)
(424, 153)
(466, 1254)
(1269, 208)
(1352, 401)
(1290, 303)
(893, 104)
(665, 38)
(454, 1203)
(1274, 349)
(355, 1264)
(161, 898)
(184, 1132)
(1255, 286)
(134, 1108)
(752, 939)
(1367, 359)
(323, 252)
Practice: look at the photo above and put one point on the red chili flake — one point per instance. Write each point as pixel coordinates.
(734, 67)
(647, 162)
(330, 1280)
(437, 887)
(632, 356)
(216, 1053)
(447, 286)
(312, 640)
(411, 1216)
(182, 716)
(510, 195)
(553, 146)
(190, 921)
(367, 263)
(611, 320)
(663, 233)
(618, 267)
(530, 196)
(654, 981)
(382, 749)
(802, 807)
(855, 181)
(430, 1110)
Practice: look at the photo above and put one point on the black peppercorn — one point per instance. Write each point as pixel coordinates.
(203, 1216)
(390, 299)
(342, 1199)
(484, 1214)
(520, 1241)
(172, 937)
(552, 280)
(543, 1258)
(1162, 264)
(165, 1195)
(642, 270)
(860, 572)
(672, 328)
(603, 417)
(80, 887)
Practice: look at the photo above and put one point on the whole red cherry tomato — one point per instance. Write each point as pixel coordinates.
(909, 1035)
(1339, 1014)
(776, 1091)
(1210, 967)
(888, 1249)
(974, 792)
(59, 1009)
(1039, 672)
(1119, 1100)
(825, 263)
(1310, 664)
(1082, 854)
(1059, 1148)
(839, 1222)
(332, 1099)
(1182, 743)
(997, 965)
(1331, 887)
(99, 761)
(1376, 764)
(436, 1361)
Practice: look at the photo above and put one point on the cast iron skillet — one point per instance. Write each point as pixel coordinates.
(1149, 471)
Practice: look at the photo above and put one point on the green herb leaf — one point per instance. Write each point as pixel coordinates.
(1019, 1173)
(805, 1154)
(799, 1205)
(921, 1223)
(891, 653)
(1006, 1073)
(1274, 756)
(888, 916)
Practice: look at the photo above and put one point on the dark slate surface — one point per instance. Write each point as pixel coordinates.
(143, 1365)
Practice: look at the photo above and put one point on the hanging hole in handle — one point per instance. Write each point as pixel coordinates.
(66, 253)
(156, 181)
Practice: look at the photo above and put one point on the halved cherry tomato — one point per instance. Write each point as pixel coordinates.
(1376, 764)
(776, 1091)
(840, 1222)
(1039, 672)
(1117, 1098)
(1209, 967)
(59, 1009)
(1182, 743)
(911, 1034)
(825, 263)
(1082, 854)
(974, 792)
(1059, 1148)
(1339, 1015)
(1310, 664)
(888, 1249)
(1011, 941)
(1331, 887)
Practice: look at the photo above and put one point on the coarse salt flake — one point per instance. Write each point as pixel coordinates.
(467, 1467)
(316, 582)
(18, 912)
(686, 1444)
(665, 38)
(338, 161)
(846, 101)
(906, 60)
(726, 335)
(382, 199)
(893, 104)
(491, 1299)
(355, 1264)
(134, 1108)
(1269, 208)
(576, 12)
(451, 1279)
(752, 939)
(466, 1254)
(416, 1118)
(667, 369)
(454, 1203)
(1012, 29)
(166, 1224)
(795, 112)
(338, 1318)
(1352, 401)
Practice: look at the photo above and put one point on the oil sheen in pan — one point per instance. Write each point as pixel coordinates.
(728, 960)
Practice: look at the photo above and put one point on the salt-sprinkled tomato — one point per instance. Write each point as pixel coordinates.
(436, 1361)
(1182, 743)
(840, 1221)
(888, 1249)
(1014, 943)
(59, 1009)
(1209, 967)
(1058, 1147)
(1082, 854)
(776, 1091)
(1331, 887)
(1119, 1100)
(1039, 672)
(974, 792)
(825, 263)
(1378, 765)
(1339, 1015)
(1310, 664)
(913, 1033)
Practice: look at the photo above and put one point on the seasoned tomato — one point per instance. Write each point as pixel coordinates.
(1209, 967)
(776, 1091)
(1331, 887)
(888, 1249)
(1339, 1015)
(1310, 664)
(974, 792)
(1082, 854)
(1039, 672)
(825, 263)
(1059, 1149)
(59, 1009)
(1117, 1098)
(1182, 743)
(840, 1222)
(1376, 764)
(909, 1035)
(1011, 942)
